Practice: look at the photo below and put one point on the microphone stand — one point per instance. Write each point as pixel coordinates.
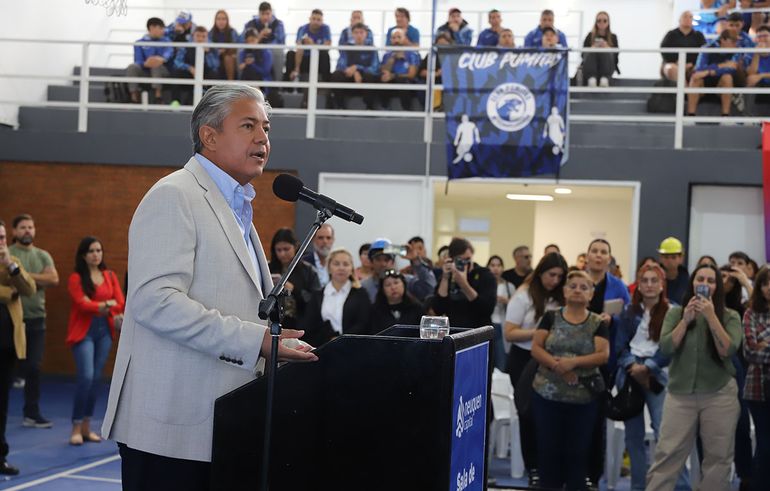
(271, 307)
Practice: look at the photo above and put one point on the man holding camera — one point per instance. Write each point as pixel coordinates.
(383, 253)
(467, 292)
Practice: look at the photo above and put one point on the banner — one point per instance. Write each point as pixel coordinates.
(506, 111)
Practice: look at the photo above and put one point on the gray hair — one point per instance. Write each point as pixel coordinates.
(215, 106)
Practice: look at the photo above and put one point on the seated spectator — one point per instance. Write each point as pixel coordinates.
(506, 39)
(402, 22)
(491, 35)
(735, 25)
(457, 27)
(570, 345)
(255, 64)
(302, 282)
(270, 31)
(702, 394)
(150, 61)
(382, 255)
(758, 69)
(600, 66)
(365, 270)
(534, 38)
(549, 40)
(184, 66)
(314, 32)
(715, 70)
(393, 304)
(341, 307)
(222, 32)
(346, 36)
(443, 39)
(356, 67)
(399, 67)
(713, 22)
(467, 292)
(505, 291)
(181, 30)
(683, 36)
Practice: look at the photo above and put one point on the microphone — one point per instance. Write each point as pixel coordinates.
(290, 188)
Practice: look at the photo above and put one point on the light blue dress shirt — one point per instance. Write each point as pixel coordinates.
(238, 199)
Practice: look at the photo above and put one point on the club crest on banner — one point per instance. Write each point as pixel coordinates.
(510, 106)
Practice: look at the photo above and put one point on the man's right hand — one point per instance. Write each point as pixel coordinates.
(300, 353)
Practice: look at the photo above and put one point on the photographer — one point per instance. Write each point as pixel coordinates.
(467, 292)
(702, 392)
(382, 255)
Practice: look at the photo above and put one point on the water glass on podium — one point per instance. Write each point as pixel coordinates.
(433, 327)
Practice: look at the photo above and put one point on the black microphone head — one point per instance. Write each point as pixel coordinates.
(287, 187)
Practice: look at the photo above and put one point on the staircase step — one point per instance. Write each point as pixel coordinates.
(69, 93)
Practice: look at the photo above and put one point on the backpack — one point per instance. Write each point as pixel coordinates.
(662, 103)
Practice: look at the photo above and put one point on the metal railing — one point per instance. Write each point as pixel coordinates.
(313, 85)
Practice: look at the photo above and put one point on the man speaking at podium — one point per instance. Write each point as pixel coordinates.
(196, 273)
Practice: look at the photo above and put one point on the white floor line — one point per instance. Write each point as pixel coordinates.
(93, 478)
(68, 473)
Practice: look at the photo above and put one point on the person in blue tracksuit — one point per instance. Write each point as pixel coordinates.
(491, 35)
(346, 36)
(534, 38)
(715, 70)
(150, 61)
(184, 65)
(356, 67)
(457, 27)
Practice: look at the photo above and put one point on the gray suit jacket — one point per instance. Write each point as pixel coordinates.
(190, 332)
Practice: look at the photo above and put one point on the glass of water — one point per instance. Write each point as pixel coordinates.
(433, 327)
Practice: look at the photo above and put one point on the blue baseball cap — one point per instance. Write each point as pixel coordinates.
(184, 17)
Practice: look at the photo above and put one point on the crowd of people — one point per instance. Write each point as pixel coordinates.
(724, 70)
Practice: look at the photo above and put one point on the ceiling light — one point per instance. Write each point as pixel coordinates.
(529, 197)
(562, 191)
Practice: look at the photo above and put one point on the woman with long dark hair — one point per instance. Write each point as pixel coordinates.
(542, 291)
(700, 338)
(394, 304)
(599, 67)
(97, 311)
(222, 32)
(756, 391)
(302, 282)
(641, 361)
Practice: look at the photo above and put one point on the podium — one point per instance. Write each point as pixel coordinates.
(384, 412)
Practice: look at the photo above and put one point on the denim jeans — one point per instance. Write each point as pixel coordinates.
(635, 432)
(90, 355)
(563, 439)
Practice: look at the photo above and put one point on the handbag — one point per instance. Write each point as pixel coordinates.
(628, 403)
(595, 384)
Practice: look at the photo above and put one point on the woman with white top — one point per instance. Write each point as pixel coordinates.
(341, 307)
(504, 291)
(543, 290)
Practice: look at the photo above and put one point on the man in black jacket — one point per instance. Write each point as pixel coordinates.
(467, 292)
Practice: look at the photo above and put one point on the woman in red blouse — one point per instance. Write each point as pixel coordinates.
(97, 305)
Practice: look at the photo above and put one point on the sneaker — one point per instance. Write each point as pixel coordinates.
(36, 422)
(604, 82)
(18, 383)
(592, 82)
(739, 102)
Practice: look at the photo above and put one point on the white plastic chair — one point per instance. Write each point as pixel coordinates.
(502, 405)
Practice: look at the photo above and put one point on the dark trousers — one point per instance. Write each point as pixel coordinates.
(760, 412)
(743, 454)
(599, 436)
(7, 362)
(30, 367)
(405, 96)
(339, 95)
(184, 93)
(324, 65)
(142, 471)
(563, 440)
(517, 360)
(598, 65)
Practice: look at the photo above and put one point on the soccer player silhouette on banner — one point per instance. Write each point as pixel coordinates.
(554, 130)
(467, 134)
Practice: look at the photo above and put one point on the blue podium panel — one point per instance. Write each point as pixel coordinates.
(469, 416)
